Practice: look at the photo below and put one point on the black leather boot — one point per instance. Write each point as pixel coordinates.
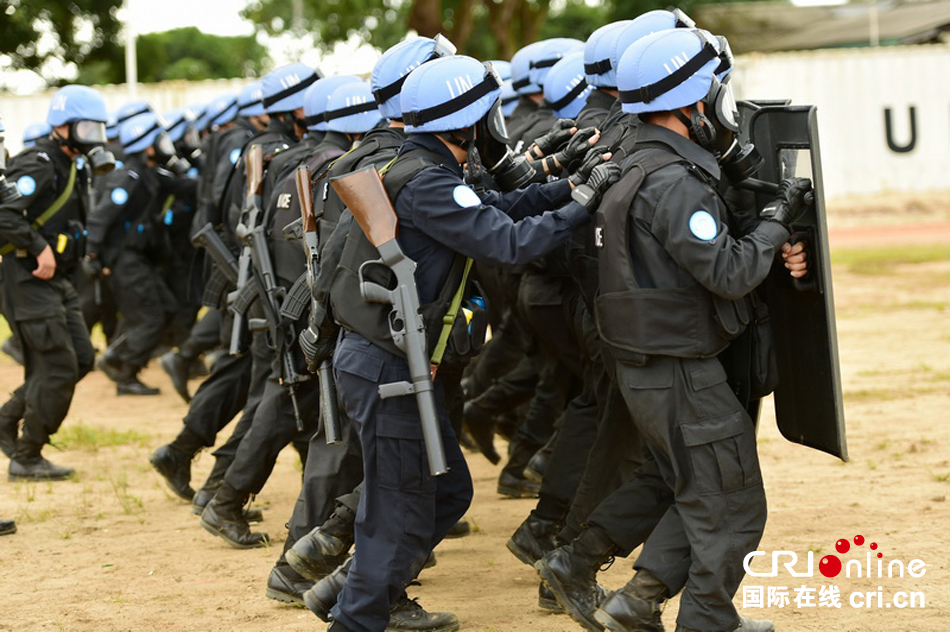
(533, 539)
(28, 464)
(224, 517)
(538, 465)
(284, 584)
(460, 529)
(322, 597)
(7, 527)
(481, 427)
(547, 600)
(512, 481)
(406, 615)
(324, 549)
(176, 366)
(204, 495)
(571, 573)
(637, 606)
(175, 467)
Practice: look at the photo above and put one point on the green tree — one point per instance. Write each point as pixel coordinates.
(81, 32)
(484, 28)
(184, 53)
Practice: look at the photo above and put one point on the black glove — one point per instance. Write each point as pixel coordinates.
(790, 203)
(91, 266)
(552, 140)
(601, 178)
(576, 149)
(317, 347)
(593, 158)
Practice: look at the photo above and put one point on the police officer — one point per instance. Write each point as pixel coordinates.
(42, 231)
(126, 238)
(321, 528)
(699, 434)
(404, 512)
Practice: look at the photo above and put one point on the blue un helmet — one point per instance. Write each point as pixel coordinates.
(148, 130)
(650, 22)
(202, 118)
(315, 100)
(35, 132)
(352, 109)
(521, 68)
(130, 110)
(181, 128)
(509, 98)
(397, 62)
(283, 88)
(222, 110)
(448, 94)
(549, 53)
(600, 72)
(250, 100)
(84, 110)
(502, 67)
(677, 68)
(112, 125)
(460, 95)
(565, 87)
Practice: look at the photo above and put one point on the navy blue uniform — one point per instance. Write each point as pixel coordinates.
(404, 512)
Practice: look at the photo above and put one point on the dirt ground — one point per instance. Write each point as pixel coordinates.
(113, 550)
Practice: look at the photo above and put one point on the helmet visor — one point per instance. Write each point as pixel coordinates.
(727, 111)
(89, 132)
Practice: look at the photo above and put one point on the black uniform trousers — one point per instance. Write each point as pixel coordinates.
(205, 335)
(703, 443)
(57, 352)
(145, 304)
(220, 397)
(404, 512)
(331, 472)
(104, 311)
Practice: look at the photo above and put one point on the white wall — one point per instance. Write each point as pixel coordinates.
(20, 111)
(852, 88)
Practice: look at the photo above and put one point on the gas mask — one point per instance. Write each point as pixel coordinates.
(166, 156)
(89, 139)
(491, 140)
(8, 190)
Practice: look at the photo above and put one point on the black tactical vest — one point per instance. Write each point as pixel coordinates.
(635, 322)
(371, 320)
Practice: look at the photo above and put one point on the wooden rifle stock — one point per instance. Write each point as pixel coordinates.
(365, 196)
(305, 195)
(254, 170)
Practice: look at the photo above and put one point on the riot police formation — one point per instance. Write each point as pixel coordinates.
(340, 248)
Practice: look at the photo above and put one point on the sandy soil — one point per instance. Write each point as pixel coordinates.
(113, 550)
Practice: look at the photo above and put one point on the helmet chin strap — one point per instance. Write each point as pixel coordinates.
(698, 125)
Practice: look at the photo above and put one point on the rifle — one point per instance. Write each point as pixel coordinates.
(364, 195)
(254, 168)
(311, 244)
(271, 294)
(209, 239)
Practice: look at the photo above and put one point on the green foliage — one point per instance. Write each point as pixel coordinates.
(80, 31)
(78, 436)
(184, 53)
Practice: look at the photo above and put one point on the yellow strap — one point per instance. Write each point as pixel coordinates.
(449, 319)
(48, 214)
(167, 205)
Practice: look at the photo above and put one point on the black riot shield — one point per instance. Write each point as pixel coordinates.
(808, 403)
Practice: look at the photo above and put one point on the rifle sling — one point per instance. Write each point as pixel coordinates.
(49, 213)
(449, 319)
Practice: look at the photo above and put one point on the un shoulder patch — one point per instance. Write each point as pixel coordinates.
(465, 197)
(119, 196)
(26, 185)
(703, 225)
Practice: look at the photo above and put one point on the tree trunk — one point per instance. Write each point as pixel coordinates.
(425, 17)
(463, 23)
(501, 22)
